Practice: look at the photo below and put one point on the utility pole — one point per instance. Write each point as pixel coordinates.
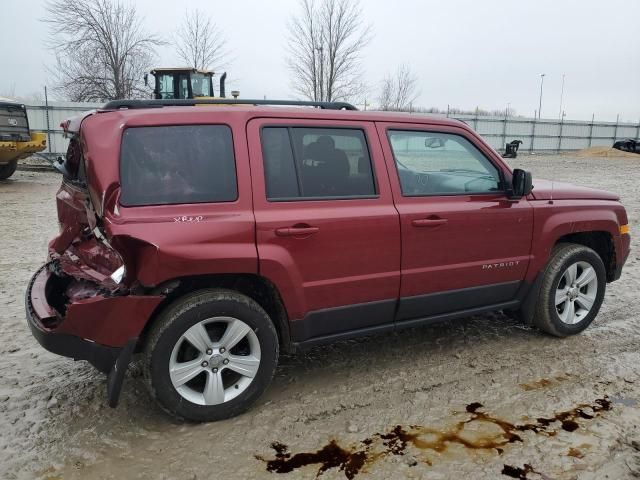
(561, 95)
(540, 105)
(46, 111)
(319, 49)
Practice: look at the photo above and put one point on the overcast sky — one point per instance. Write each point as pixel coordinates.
(466, 53)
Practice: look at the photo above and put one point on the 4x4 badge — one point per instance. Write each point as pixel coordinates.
(186, 219)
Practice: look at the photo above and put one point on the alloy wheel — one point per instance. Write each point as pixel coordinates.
(576, 292)
(214, 361)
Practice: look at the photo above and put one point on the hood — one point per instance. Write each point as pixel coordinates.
(548, 190)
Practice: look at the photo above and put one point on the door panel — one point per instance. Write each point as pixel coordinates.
(480, 231)
(459, 251)
(323, 254)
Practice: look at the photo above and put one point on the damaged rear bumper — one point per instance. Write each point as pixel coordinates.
(101, 329)
(39, 313)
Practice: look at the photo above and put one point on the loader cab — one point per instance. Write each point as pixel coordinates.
(181, 83)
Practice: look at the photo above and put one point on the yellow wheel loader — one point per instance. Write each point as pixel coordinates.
(16, 141)
(185, 83)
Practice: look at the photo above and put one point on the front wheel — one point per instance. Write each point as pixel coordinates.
(572, 290)
(210, 355)
(8, 169)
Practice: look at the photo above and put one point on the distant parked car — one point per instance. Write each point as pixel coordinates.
(628, 145)
(209, 238)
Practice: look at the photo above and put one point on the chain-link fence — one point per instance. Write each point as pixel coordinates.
(47, 118)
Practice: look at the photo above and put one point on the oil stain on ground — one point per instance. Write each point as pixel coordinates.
(545, 382)
(353, 459)
(519, 473)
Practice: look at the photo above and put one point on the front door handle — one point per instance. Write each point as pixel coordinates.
(296, 231)
(429, 222)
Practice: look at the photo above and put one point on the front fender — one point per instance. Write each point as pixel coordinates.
(554, 220)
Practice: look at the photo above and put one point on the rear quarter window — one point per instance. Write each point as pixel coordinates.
(177, 164)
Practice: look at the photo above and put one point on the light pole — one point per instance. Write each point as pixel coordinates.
(561, 97)
(540, 105)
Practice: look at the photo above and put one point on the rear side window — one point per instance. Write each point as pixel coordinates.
(314, 163)
(177, 164)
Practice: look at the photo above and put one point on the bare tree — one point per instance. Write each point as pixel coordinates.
(9, 92)
(102, 50)
(200, 43)
(325, 44)
(399, 91)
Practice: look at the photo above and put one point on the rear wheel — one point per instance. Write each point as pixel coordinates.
(572, 290)
(8, 169)
(210, 355)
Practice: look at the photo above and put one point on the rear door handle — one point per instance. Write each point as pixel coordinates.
(296, 231)
(428, 222)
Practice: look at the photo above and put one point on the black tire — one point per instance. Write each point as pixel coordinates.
(176, 319)
(546, 316)
(9, 169)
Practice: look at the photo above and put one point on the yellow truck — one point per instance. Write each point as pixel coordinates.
(16, 140)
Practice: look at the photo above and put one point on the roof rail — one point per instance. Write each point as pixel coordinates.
(132, 104)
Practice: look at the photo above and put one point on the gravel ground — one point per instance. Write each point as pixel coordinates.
(402, 405)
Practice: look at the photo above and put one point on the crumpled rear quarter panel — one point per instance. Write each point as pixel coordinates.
(109, 320)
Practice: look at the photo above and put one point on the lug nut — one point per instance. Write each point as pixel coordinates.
(205, 364)
(225, 361)
(209, 351)
(222, 350)
(215, 370)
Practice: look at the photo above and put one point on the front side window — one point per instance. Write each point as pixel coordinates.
(431, 163)
(177, 164)
(316, 163)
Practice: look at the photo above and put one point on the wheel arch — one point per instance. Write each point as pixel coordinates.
(256, 287)
(599, 241)
(595, 226)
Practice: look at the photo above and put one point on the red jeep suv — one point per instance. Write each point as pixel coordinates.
(208, 237)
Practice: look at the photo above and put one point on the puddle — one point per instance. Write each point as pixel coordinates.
(330, 456)
(520, 473)
(351, 460)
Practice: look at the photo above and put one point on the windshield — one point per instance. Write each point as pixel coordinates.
(201, 85)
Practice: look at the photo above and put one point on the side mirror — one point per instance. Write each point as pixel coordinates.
(434, 142)
(522, 183)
